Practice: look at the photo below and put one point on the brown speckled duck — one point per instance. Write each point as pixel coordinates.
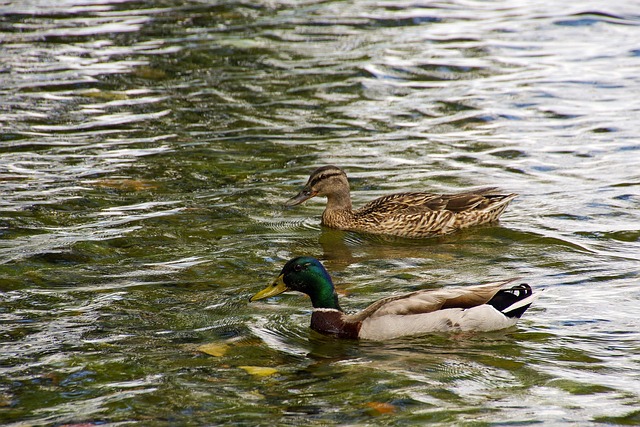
(414, 215)
(479, 308)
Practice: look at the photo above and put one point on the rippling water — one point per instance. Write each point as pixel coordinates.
(146, 149)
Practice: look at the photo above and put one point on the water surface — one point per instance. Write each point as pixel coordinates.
(146, 149)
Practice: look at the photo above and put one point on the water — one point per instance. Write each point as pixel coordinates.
(147, 147)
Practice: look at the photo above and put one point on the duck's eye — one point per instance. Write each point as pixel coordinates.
(297, 267)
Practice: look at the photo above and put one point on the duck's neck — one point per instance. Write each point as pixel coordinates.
(323, 294)
(338, 213)
(339, 200)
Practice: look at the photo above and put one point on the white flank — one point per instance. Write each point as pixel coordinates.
(483, 318)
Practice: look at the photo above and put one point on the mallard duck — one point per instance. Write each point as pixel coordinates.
(480, 308)
(414, 215)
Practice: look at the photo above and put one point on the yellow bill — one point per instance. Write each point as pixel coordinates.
(276, 288)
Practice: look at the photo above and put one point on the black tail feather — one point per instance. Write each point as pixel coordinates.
(507, 297)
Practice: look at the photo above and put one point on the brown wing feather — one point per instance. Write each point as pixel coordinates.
(409, 203)
(427, 301)
(404, 202)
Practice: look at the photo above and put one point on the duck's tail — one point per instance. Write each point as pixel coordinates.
(499, 202)
(514, 301)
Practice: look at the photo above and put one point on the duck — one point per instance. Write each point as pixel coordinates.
(476, 308)
(409, 214)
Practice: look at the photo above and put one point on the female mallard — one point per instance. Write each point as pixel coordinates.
(413, 215)
(474, 308)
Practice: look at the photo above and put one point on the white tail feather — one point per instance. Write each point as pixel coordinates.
(523, 302)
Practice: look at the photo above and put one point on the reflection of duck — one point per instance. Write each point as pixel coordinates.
(403, 214)
(473, 308)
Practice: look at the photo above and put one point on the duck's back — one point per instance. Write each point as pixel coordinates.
(472, 308)
(423, 214)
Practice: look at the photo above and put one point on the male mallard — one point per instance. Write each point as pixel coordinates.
(474, 308)
(413, 215)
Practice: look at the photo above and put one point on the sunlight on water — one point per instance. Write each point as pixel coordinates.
(147, 150)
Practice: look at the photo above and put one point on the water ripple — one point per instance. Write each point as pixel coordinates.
(146, 151)
(113, 223)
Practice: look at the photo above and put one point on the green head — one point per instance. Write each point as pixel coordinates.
(306, 275)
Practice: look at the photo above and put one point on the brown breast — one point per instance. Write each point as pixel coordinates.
(332, 322)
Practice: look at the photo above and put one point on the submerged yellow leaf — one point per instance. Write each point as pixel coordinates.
(150, 73)
(126, 184)
(379, 408)
(214, 349)
(106, 95)
(259, 371)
